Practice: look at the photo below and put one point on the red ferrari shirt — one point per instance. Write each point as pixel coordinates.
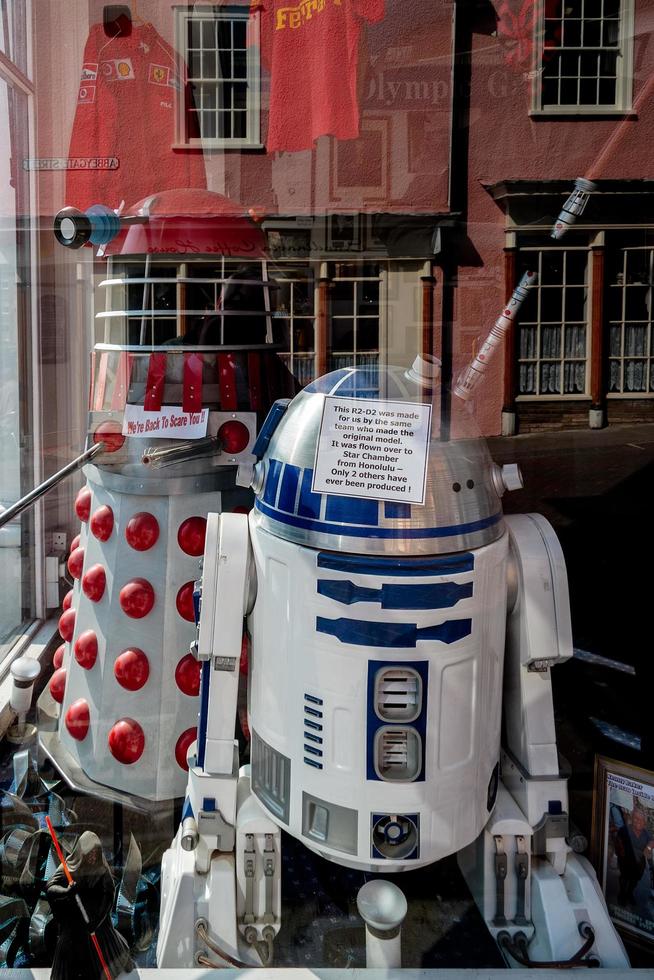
(311, 49)
(125, 122)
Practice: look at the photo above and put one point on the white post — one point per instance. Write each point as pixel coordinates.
(382, 906)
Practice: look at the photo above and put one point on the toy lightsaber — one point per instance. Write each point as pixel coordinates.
(69, 878)
(475, 371)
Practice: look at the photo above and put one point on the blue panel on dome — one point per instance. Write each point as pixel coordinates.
(309, 505)
(288, 489)
(352, 510)
(395, 511)
(370, 381)
(272, 480)
(270, 423)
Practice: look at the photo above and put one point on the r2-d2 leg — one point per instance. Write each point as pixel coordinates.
(541, 902)
(221, 878)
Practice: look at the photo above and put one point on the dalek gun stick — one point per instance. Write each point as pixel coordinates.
(30, 498)
(574, 207)
(475, 371)
(185, 451)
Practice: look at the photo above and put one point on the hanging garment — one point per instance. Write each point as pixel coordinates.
(125, 124)
(516, 25)
(311, 50)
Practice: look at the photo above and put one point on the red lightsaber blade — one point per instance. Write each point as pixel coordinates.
(69, 878)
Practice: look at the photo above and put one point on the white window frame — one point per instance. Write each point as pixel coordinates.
(291, 356)
(648, 357)
(22, 637)
(556, 396)
(624, 69)
(357, 282)
(252, 139)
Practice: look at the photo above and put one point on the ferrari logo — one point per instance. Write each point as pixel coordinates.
(159, 75)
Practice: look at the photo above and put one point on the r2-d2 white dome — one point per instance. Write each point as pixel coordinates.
(377, 644)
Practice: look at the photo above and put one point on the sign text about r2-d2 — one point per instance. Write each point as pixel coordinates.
(375, 449)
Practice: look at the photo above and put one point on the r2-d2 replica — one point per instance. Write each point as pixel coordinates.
(388, 643)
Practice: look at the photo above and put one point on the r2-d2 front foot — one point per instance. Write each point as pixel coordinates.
(541, 903)
(220, 881)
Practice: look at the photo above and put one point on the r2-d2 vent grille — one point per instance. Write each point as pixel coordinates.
(398, 694)
(398, 754)
(271, 777)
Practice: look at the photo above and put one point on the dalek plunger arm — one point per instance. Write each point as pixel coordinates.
(98, 225)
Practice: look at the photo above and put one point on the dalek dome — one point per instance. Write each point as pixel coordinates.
(190, 221)
(462, 485)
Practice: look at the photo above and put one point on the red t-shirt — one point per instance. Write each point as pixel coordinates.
(311, 49)
(126, 110)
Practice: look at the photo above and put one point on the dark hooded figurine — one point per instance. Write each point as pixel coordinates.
(76, 957)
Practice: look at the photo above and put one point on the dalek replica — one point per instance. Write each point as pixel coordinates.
(169, 425)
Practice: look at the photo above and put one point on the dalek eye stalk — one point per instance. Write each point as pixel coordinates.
(169, 425)
(397, 623)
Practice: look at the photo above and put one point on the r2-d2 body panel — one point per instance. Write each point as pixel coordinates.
(377, 649)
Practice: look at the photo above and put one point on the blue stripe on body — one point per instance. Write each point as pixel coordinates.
(205, 679)
(360, 632)
(437, 595)
(398, 567)
(352, 531)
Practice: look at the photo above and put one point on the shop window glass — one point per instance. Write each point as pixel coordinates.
(300, 294)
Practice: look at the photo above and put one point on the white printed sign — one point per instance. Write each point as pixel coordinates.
(375, 449)
(169, 422)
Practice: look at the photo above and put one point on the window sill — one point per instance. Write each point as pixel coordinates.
(35, 644)
(552, 398)
(582, 112)
(204, 145)
(630, 395)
